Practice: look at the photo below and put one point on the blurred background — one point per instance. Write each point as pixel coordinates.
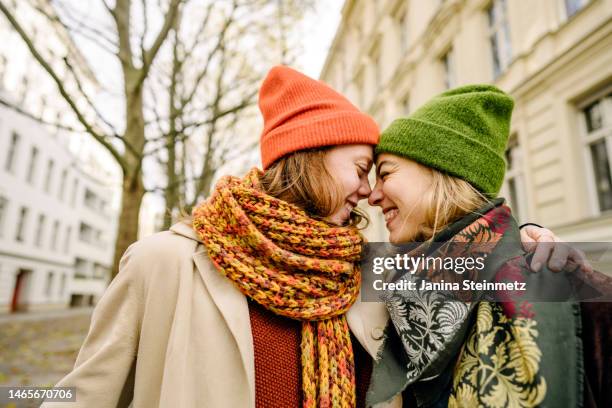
(117, 115)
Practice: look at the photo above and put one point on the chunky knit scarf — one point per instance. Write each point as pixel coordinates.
(294, 266)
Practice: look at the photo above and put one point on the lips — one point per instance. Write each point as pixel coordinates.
(390, 214)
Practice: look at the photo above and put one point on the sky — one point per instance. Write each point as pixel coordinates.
(320, 28)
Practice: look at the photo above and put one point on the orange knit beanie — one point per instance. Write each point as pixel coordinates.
(302, 113)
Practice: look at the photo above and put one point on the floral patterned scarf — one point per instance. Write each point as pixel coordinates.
(463, 351)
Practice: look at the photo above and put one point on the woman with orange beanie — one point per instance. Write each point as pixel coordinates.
(254, 304)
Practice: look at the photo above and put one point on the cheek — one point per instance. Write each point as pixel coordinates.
(349, 180)
(393, 191)
(407, 199)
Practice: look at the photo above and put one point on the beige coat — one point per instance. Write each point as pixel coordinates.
(171, 331)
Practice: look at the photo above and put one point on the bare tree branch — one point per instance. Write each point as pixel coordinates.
(81, 26)
(23, 112)
(218, 46)
(59, 83)
(199, 33)
(121, 15)
(145, 27)
(86, 97)
(107, 7)
(90, 33)
(151, 53)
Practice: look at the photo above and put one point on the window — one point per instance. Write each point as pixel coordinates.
(62, 288)
(33, 164)
(514, 188)
(49, 283)
(54, 235)
(80, 268)
(86, 233)
(40, 230)
(75, 187)
(62, 187)
(598, 126)
(67, 240)
(21, 224)
(49, 177)
(405, 105)
(3, 212)
(448, 62)
(499, 36)
(90, 199)
(12, 152)
(574, 6)
(99, 271)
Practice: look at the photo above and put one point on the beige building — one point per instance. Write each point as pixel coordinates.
(553, 56)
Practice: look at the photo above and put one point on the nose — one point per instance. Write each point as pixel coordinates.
(376, 196)
(364, 189)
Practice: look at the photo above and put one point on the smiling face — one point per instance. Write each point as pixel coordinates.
(402, 190)
(349, 166)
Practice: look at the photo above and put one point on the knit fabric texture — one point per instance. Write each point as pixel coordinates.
(302, 113)
(276, 344)
(294, 266)
(462, 132)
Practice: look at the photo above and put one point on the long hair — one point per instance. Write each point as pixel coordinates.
(448, 199)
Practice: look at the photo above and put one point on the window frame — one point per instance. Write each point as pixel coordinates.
(4, 209)
(9, 160)
(33, 165)
(503, 41)
(20, 232)
(40, 230)
(589, 138)
(449, 67)
(566, 15)
(516, 174)
(49, 175)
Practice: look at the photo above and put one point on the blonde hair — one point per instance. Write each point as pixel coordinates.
(449, 198)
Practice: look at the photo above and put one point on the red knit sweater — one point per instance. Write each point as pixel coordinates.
(278, 380)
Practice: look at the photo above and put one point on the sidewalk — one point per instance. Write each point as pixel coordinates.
(44, 315)
(39, 348)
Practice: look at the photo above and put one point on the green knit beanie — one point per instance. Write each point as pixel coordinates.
(462, 132)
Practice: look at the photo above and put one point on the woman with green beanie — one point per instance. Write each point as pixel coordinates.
(439, 172)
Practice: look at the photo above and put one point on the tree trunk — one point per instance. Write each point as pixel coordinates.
(133, 186)
(171, 191)
(127, 230)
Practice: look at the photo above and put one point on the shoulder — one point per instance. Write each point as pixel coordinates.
(163, 244)
(162, 251)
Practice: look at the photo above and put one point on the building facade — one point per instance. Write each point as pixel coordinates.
(56, 225)
(553, 56)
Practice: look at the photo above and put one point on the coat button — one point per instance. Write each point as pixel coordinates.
(377, 333)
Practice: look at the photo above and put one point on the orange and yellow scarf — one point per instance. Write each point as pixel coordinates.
(295, 266)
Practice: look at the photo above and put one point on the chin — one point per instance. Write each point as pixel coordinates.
(339, 221)
(400, 237)
(393, 239)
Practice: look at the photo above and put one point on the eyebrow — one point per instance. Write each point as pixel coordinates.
(368, 160)
(382, 163)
